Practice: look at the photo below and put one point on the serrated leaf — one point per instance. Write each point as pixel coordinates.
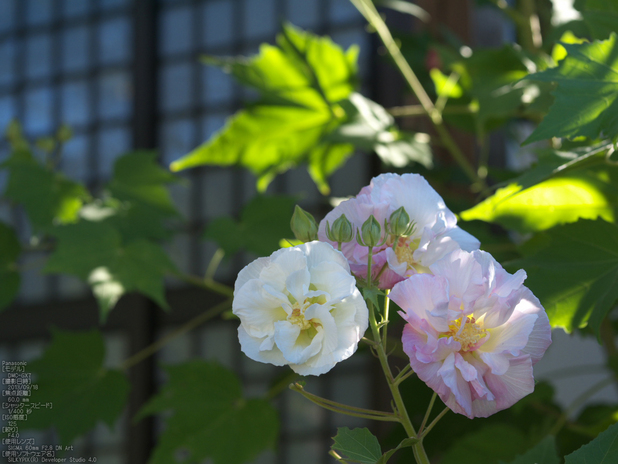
(48, 197)
(586, 93)
(209, 417)
(300, 82)
(602, 450)
(359, 445)
(71, 376)
(487, 444)
(263, 222)
(10, 279)
(543, 453)
(573, 270)
(561, 189)
(95, 252)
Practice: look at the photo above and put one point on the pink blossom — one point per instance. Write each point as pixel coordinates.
(435, 232)
(473, 332)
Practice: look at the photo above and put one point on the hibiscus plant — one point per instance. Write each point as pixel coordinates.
(456, 308)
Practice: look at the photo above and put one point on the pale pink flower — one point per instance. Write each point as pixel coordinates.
(473, 332)
(300, 307)
(435, 232)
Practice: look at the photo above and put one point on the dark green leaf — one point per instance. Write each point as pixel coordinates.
(543, 453)
(573, 270)
(562, 188)
(601, 16)
(71, 376)
(47, 196)
(586, 93)
(358, 445)
(94, 252)
(602, 450)
(404, 444)
(486, 445)
(210, 418)
(138, 178)
(263, 222)
(10, 249)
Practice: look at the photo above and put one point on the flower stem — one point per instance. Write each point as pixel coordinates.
(193, 323)
(344, 408)
(429, 408)
(207, 284)
(434, 422)
(419, 452)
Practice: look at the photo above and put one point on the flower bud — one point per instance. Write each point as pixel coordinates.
(303, 225)
(400, 223)
(370, 232)
(341, 231)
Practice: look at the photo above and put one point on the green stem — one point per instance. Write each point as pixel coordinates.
(368, 10)
(193, 323)
(403, 375)
(213, 265)
(434, 422)
(419, 452)
(386, 310)
(207, 284)
(427, 413)
(344, 408)
(418, 110)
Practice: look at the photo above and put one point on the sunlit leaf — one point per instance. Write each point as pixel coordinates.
(602, 450)
(573, 270)
(71, 376)
(210, 418)
(10, 249)
(562, 188)
(358, 445)
(586, 93)
(264, 221)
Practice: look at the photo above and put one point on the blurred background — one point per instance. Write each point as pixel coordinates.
(125, 74)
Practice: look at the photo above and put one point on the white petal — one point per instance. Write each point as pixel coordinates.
(297, 347)
(297, 284)
(251, 347)
(510, 337)
(513, 385)
(334, 279)
(257, 309)
(497, 362)
(250, 271)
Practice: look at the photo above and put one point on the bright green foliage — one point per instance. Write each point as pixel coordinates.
(300, 81)
(10, 279)
(487, 444)
(602, 450)
(358, 445)
(586, 93)
(210, 418)
(601, 16)
(48, 197)
(369, 127)
(543, 453)
(573, 270)
(71, 376)
(94, 252)
(263, 222)
(562, 188)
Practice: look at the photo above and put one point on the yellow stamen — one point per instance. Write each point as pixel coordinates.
(468, 335)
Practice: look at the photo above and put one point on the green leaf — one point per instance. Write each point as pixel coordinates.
(300, 82)
(487, 444)
(562, 188)
(138, 178)
(602, 450)
(263, 222)
(407, 442)
(586, 93)
(10, 279)
(94, 252)
(543, 453)
(48, 197)
(573, 270)
(601, 16)
(369, 127)
(71, 376)
(209, 417)
(359, 445)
